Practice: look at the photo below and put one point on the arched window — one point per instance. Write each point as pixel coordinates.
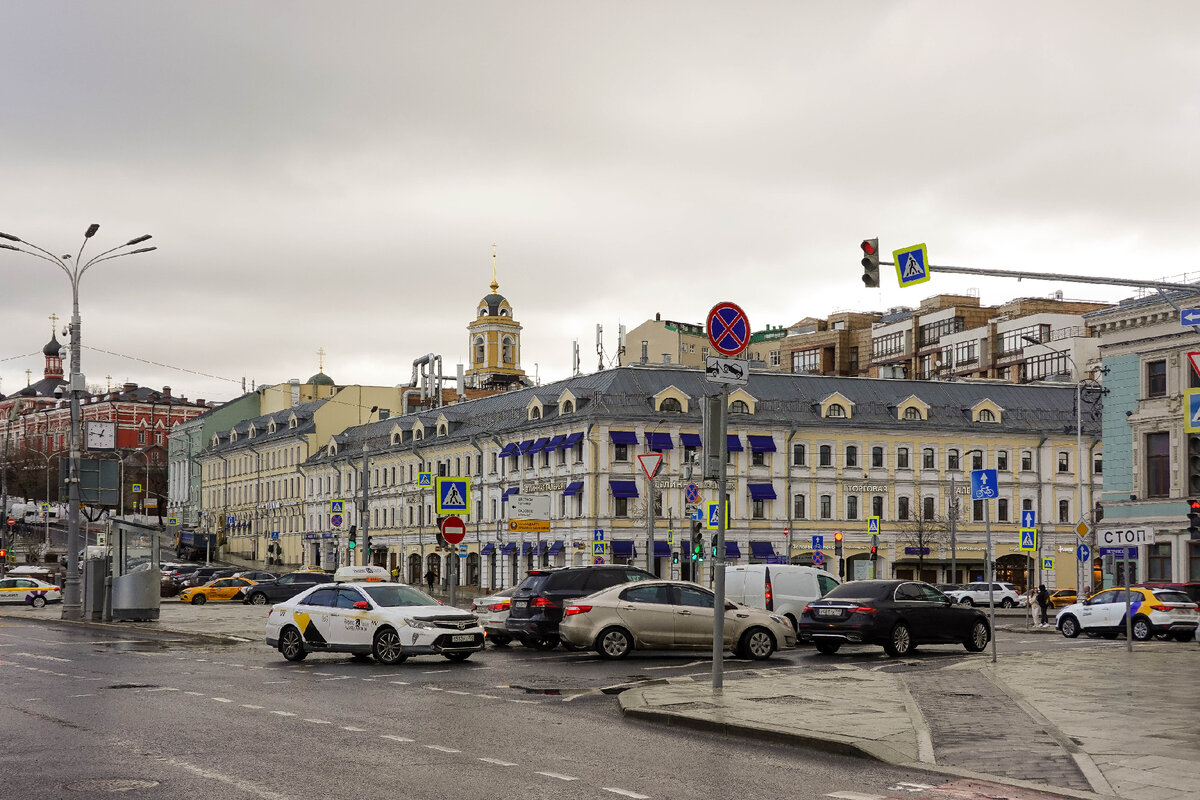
(836, 410)
(507, 350)
(912, 412)
(441, 430)
(673, 405)
(567, 407)
(479, 351)
(985, 415)
(504, 312)
(952, 459)
(739, 407)
(535, 413)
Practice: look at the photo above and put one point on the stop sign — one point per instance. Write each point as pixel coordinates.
(454, 529)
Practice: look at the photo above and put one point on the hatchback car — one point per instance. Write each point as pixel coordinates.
(662, 615)
(492, 610)
(899, 615)
(537, 604)
(256, 575)
(1165, 612)
(283, 587)
(29, 591)
(220, 589)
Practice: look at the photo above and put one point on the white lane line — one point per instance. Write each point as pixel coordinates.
(318, 721)
(352, 728)
(910, 787)
(626, 793)
(284, 713)
(557, 776)
(855, 796)
(161, 689)
(324, 673)
(83, 695)
(400, 683)
(221, 699)
(369, 680)
(434, 671)
(32, 699)
(276, 681)
(195, 694)
(533, 702)
(488, 696)
(338, 678)
(452, 691)
(497, 762)
(435, 688)
(396, 738)
(247, 705)
(441, 749)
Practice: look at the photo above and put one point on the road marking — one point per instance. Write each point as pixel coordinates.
(338, 678)
(681, 666)
(435, 688)
(626, 793)
(318, 721)
(352, 728)
(488, 696)
(194, 694)
(400, 683)
(497, 762)
(284, 713)
(441, 749)
(83, 695)
(247, 705)
(221, 699)
(395, 738)
(41, 657)
(556, 775)
(910, 787)
(855, 796)
(276, 681)
(369, 680)
(434, 671)
(452, 691)
(533, 702)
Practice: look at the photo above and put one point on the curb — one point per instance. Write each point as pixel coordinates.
(217, 638)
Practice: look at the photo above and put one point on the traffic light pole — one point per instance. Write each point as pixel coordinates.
(718, 564)
(987, 554)
(1054, 276)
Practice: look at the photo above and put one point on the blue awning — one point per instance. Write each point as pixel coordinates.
(659, 441)
(731, 550)
(526, 445)
(575, 487)
(542, 547)
(623, 548)
(508, 548)
(761, 491)
(761, 550)
(508, 450)
(555, 548)
(508, 491)
(540, 444)
(690, 439)
(526, 548)
(556, 441)
(571, 440)
(734, 443)
(661, 549)
(488, 549)
(623, 488)
(761, 444)
(623, 437)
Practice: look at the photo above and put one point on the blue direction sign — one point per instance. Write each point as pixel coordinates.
(983, 484)
(1192, 422)
(698, 514)
(728, 328)
(425, 480)
(229, 520)
(1028, 540)
(452, 495)
(1083, 552)
(818, 558)
(1120, 552)
(274, 534)
(912, 265)
(598, 535)
(818, 543)
(1029, 518)
(1189, 316)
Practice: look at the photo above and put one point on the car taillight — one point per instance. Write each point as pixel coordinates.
(499, 606)
(770, 597)
(573, 610)
(862, 610)
(1160, 608)
(542, 602)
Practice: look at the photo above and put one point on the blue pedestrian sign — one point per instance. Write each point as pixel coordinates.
(1048, 564)
(336, 506)
(1083, 552)
(1029, 518)
(425, 480)
(714, 515)
(1191, 423)
(912, 265)
(818, 543)
(1028, 540)
(873, 526)
(274, 534)
(983, 484)
(818, 558)
(1189, 316)
(452, 495)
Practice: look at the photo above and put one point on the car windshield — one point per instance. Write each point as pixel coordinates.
(396, 596)
(860, 590)
(1171, 596)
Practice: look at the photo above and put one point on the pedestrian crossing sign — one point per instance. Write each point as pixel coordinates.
(452, 495)
(597, 548)
(912, 265)
(1192, 405)
(1028, 539)
(336, 506)
(714, 516)
(873, 526)
(1047, 563)
(425, 480)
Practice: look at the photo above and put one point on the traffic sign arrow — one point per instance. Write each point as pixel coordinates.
(1190, 316)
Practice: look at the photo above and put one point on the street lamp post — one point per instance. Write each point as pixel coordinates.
(74, 270)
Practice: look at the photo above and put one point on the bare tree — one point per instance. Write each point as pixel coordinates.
(923, 534)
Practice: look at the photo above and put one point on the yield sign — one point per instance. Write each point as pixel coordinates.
(651, 462)
(1194, 357)
(728, 328)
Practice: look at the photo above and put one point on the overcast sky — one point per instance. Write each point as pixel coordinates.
(334, 175)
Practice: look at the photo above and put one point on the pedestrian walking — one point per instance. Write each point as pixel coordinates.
(396, 573)
(430, 577)
(1043, 600)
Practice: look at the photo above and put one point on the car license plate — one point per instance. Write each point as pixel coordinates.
(829, 612)
(520, 603)
(463, 638)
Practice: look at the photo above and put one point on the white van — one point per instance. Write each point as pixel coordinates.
(783, 588)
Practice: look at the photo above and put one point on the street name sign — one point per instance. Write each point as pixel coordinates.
(1113, 537)
(729, 371)
(529, 506)
(912, 265)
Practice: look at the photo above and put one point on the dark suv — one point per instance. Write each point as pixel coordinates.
(284, 587)
(537, 604)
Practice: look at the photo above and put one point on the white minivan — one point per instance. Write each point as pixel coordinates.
(783, 588)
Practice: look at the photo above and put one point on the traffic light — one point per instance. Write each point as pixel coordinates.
(874, 552)
(1193, 456)
(870, 262)
(3, 554)
(714, 545)
(352, 541)
(674, 557)
(837, 544)
(1194, 519)
(697, 543)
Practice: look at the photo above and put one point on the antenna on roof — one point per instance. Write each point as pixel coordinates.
(600, 344)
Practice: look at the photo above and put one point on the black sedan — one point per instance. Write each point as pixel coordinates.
(285, 586)
(899, 615)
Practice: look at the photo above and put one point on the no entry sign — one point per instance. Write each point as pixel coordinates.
(453, 529)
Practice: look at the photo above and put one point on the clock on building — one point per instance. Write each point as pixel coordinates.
(101, 435)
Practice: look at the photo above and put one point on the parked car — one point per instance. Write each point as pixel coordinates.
(220, 589)
(1004, 595)
(1191, 589)
(1061, 598)
(537, 604)
(492, 611)
(1152, 612)
(256, 575)
(283, 587)
(949, 587)
(783, 588)
(205, 574)
(661, 615)
(29, 591)
(899, 615)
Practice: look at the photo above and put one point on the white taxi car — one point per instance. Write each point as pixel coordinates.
(364, 613)
(30, 591)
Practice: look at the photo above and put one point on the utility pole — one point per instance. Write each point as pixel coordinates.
(366, 512)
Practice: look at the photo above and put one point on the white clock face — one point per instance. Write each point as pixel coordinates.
(101, 435)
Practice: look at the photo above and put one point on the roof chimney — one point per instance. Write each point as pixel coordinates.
(166, 391)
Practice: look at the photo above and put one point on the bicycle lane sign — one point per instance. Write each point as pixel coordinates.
(983, 484)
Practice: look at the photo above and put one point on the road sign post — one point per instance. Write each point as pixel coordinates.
(912, 265)
(983, 487)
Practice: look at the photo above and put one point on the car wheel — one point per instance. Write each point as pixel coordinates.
(756, 643)
(541, 642)
(1007, 603)
(199, 600)
(614, 643)
(258, 599)
(979, 637)
(386, 647)
(828, 648)
(966, 601)
(37, 602)
(1142, 629)
(900, 642)
(291, 645)
(499, 641)
(457, 656)
(1069, 627)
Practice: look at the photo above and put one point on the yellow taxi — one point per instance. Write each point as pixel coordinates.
(1062, 598)
(311, 568)
(220, 589)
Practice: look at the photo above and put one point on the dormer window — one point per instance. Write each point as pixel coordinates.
(441, 430)
(535, 413)
(985, 415)
(736, 407)
(419, 433)
(291, 423)
(912, 412)
(836, 410)
(672, 405)
(567, 407)
(396, 438)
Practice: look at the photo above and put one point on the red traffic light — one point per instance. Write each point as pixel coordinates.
(837, 537)
(3, 554)
(868, 246)
(1195, 507)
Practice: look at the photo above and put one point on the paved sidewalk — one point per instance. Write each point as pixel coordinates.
(1084, 722)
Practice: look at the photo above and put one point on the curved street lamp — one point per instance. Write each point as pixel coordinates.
(74, 269)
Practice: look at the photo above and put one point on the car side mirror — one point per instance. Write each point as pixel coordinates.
(729, 606)
(363, 604)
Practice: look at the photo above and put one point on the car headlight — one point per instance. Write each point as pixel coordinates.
(778, 620)
(424, 624)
